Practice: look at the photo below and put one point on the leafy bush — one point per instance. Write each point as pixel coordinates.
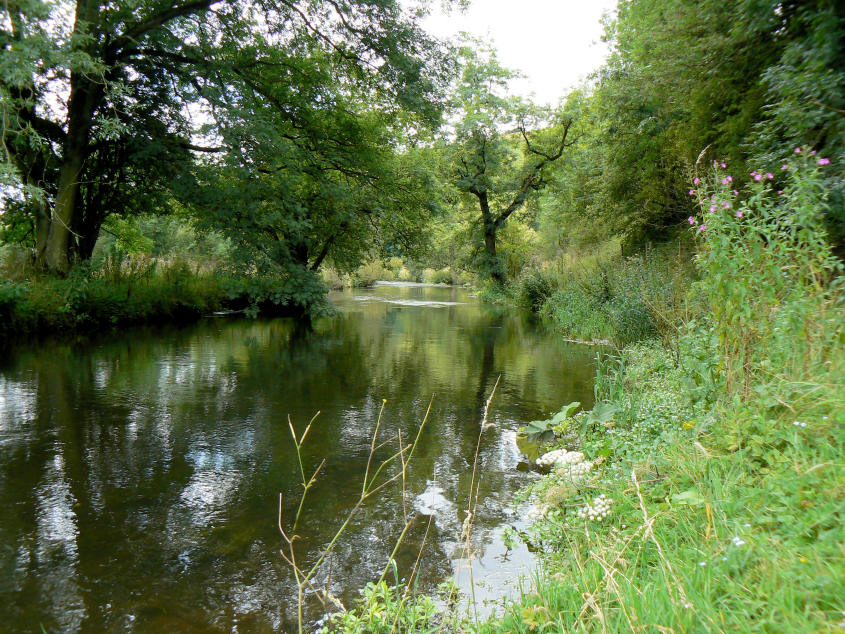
(533, 288)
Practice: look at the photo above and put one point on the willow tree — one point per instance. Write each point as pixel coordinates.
(501, 149)
(99, 99)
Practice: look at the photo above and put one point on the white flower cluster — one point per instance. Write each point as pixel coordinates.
(570, 464)
(738, 541)
(598, 510)
(560, 457)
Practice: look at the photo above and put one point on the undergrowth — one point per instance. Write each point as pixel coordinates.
(722, 464)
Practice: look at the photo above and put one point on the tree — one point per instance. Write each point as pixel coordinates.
(97, 98)
(500, 169)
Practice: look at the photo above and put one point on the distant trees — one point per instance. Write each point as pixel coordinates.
(501, 149)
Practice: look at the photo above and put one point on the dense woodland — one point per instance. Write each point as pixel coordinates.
(685, 206)
(300, 136)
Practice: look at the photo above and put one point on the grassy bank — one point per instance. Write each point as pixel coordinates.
(94, 299)
(716, 493)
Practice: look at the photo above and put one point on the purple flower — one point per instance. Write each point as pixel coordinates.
(824, 161)
(798, 150)
(696, 180)
(691, 220)
(712, 208)
(722, 165)
(736, 193)
(702, 228)
(758, 177)
(739, 214)
(769, 175)
(730, 178)
(692, 192)
(726, 205)
(780, 191)
(813, 153)
(724, 181)
(784, 167)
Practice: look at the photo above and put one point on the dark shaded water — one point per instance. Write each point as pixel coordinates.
(139, 475)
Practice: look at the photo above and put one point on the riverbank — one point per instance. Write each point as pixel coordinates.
(714, 494)
(87, 301)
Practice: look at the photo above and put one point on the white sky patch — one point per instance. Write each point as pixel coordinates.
(554, 43)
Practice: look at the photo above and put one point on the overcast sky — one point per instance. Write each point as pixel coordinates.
(555, 43)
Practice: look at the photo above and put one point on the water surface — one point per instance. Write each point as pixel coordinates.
(140, 471)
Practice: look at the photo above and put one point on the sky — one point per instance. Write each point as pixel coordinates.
(555, 43)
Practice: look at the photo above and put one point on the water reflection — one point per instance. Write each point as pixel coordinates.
(139, 474)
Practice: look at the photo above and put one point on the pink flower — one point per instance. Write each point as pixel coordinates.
(824, 161)
(712, 208)
(692, 192)
(798, 150)
(691, 220)
(724, 181)
(784, 167)
(780, 191)
(726, 205)
(769, 175)
(730, 178)
(758, 177)
(702, 228)
(813, 153)
(736, 193)
(696, 180)
(722, 165)
(739, 214)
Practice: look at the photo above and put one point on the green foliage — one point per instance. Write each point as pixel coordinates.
(621, 300)
(385, 609)
(721, 461)
(540, 431)
(768, 272)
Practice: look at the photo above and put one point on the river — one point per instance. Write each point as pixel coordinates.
(140, 471)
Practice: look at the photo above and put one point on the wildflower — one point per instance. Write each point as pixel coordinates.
(813, 153)
(724, 558)
(769, 175)
(747, 525)
(712, 208)
(803, 560)
(726, 205)
(780, 191)
(798, 150)
(784, 167)
(702, 228)
(758, 177)
(739, 214)
(824, 161)
(799, 424)
(689, 425)
(691, 220)
(702, 563)
(696, 180)
(738, 541)
(730, 178)
(722, 165)
(692, 192)
(724, 181)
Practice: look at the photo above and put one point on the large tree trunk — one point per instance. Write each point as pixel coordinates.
(490, 228)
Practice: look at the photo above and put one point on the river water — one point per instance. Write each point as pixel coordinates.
(140, 472)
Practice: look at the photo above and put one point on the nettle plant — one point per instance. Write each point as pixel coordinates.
(767, 268)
